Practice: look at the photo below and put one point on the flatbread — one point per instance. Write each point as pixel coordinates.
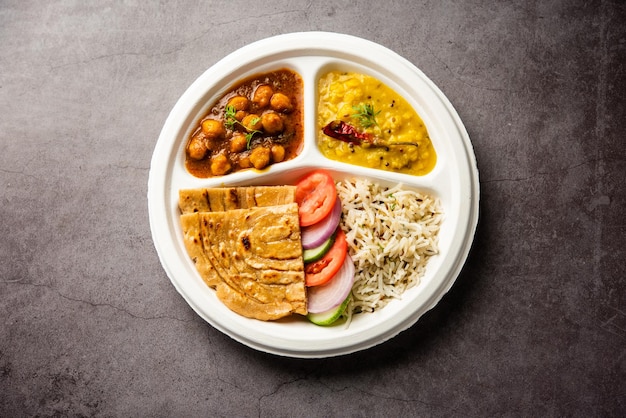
(251, 256)
(221, 199)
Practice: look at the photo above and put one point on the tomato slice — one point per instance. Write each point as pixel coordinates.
(315, 194)
(321, 271)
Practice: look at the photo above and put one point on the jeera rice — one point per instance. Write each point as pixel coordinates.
(391, 234)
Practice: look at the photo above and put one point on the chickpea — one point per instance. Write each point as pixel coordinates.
(238, 143)
(212, 128)
(238, 102)
(278, 153)
(280, 103)
(260, 157)
(220, 165)
(252, 122)
(197, 148)
(272, 123)
(244, 162)
(262, 95)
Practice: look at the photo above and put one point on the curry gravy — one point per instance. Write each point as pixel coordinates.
(258, 122)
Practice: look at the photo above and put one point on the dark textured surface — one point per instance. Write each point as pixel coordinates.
(91, 326)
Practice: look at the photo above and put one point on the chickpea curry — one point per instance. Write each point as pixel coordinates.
(364, 122)
(257, 123)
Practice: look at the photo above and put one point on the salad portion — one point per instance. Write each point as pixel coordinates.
(328, 268)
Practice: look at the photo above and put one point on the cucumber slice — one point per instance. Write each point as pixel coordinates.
(317, 253)
(330, 316)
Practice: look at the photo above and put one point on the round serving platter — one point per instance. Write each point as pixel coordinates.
(311, 54)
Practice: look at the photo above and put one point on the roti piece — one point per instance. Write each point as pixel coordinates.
(252, 257)
(227, 198)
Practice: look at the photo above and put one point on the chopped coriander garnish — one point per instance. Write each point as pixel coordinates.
(366, 114)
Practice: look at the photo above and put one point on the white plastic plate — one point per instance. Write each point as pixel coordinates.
(311, 54)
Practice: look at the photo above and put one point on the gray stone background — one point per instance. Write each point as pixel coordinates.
(91, 326)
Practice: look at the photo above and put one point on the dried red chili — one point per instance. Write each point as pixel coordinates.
(338, 129)
(345, 132)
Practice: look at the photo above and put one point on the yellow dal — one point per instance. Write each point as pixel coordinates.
(397, 122)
